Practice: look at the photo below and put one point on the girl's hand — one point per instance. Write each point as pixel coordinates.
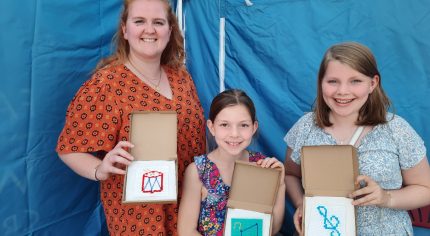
(371, 194)
(272, 162)
(297, 218)
(113, 161)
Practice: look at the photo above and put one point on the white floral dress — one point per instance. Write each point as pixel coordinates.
(382, 154)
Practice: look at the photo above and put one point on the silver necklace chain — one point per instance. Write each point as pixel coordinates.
(156, 86)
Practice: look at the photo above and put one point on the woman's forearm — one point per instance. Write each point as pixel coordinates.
(84, 164)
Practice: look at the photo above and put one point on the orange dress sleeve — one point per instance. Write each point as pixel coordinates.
(92, 118)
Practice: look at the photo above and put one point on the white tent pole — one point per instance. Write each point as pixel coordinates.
(181, 18)
(221, 63)
(179, 14)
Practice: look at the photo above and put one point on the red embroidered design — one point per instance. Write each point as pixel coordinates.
(152, 182)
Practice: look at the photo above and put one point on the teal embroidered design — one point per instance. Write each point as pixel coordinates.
(330, 224)
(246, 227)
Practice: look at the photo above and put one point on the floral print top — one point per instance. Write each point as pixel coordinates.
(382, 154)
(213, 208)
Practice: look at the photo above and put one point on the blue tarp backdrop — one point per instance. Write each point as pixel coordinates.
(273, 50)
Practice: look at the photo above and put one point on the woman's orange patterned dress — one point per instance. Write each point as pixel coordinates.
(98, 118)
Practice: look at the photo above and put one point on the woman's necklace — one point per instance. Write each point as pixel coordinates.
(156, 85)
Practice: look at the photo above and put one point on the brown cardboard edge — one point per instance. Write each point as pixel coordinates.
(333, 193)
(356, 186)
(271, 224)
(276, 194)
(167, 158)
(246, 206)
(123, 201)
(170, 158)
(303, 215)
(271, 207)
(356, 170)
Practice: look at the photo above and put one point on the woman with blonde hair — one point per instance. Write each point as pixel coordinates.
(146, 73)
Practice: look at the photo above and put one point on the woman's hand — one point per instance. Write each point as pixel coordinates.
(297, 219)
(371, 194)
(115, 161)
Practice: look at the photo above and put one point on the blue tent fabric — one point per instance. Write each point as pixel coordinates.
(48, 49)
(273, 50)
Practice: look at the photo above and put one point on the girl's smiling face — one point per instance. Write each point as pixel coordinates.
(346, 90)
(233, 129)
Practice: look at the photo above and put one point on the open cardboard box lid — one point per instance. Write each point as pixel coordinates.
(153, 135)
(329, 170)
(253, 188)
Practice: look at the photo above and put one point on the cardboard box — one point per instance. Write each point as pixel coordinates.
(328, 176)
(152, 176)
(252, 197)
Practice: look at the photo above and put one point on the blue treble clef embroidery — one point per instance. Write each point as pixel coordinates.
(330, 224)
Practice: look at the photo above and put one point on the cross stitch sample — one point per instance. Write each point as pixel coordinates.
(331, 216)
(246, 227)
(151, 181)
(241, 222)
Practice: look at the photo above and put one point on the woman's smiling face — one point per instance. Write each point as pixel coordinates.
(147, 29)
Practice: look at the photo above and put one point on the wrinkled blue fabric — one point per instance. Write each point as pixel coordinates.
(273, 50)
